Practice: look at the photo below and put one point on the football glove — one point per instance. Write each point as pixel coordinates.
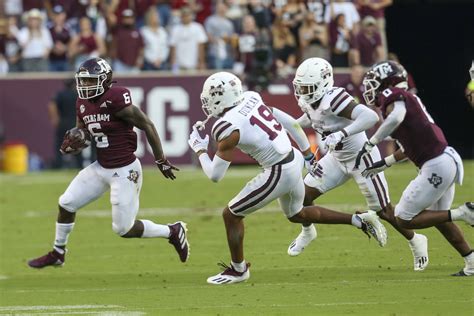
(196, 142)
(366, 149)
(333, 139)
(166, 168)
(378, 167)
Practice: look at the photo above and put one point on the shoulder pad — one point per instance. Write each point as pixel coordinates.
(336, 99)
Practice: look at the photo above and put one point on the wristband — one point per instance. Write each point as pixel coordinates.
(390, 160)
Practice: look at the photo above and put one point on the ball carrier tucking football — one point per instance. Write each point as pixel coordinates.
(107, 114)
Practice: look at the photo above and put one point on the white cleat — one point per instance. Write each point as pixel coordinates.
(371, 225)
(467, 212)
(468, 268)
(229, 275)
(303, 240)
(419, 249)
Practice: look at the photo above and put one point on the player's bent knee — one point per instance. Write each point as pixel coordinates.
(121, 229)
(66, 202)
(298, 217)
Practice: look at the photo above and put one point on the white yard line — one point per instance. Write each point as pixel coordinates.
(54, 307)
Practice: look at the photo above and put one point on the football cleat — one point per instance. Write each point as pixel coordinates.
(229, 275)
(178, 238)
(302, 241)
(419, 249)
(371, 225)
(468, 268)
(52, 258)
(467, 210)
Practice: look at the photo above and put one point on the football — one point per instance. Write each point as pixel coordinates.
(75, 140)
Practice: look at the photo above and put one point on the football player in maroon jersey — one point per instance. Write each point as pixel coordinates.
(426, 202)
(108, 113)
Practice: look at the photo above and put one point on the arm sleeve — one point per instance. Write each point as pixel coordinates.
(293, 128)
(364, 118)
(393, 120)
(304, 121)
(214, 169)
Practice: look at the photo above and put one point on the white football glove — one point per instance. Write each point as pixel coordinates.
(333, 139)
(196, 142)
(366, 149)
(379, 166)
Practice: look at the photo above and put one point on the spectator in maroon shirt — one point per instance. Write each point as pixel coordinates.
(366, 46)
(339, 36)
(86, 44)
(128, 44)
(375, 8)
(61, 37)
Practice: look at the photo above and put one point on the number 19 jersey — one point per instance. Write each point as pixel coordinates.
(115, 139)
(262, 137)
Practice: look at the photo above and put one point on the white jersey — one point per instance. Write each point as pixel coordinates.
(261, 136)
(325, 120)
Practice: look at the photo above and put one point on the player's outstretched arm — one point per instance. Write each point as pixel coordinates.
(396, 115)
(294, 129)
(363, 118)
(137, 118)
(383, 164)
(216, 168)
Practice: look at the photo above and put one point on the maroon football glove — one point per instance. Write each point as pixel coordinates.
(166, 168)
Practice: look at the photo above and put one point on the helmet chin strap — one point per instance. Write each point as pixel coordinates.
(201, 125)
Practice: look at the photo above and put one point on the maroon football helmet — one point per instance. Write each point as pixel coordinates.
(93, 78)
(381, 76)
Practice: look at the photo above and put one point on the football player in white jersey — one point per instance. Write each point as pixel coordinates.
(245, 122)
(342, 122)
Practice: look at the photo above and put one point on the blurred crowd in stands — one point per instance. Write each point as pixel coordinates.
(255, 37)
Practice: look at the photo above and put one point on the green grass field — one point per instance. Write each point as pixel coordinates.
(340, 273)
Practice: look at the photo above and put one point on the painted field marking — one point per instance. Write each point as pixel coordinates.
(20, 308)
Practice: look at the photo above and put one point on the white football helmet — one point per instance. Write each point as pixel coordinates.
(313, 79)
(220, 91)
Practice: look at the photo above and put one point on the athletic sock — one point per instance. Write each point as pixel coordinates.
(239, 267)
(455, 214)
(307, 229)
(469, 256)
(62, 233)
(412, 241)
(151, 230)
(356, 221)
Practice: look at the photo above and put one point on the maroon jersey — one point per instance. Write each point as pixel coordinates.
(115, 139)
(420, 137)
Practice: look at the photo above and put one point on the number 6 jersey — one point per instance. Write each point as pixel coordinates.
(115, 139)
(262, 137)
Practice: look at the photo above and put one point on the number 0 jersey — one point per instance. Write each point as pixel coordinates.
(115, 139)
(420, 137)
(261, 136)
(325, 120)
